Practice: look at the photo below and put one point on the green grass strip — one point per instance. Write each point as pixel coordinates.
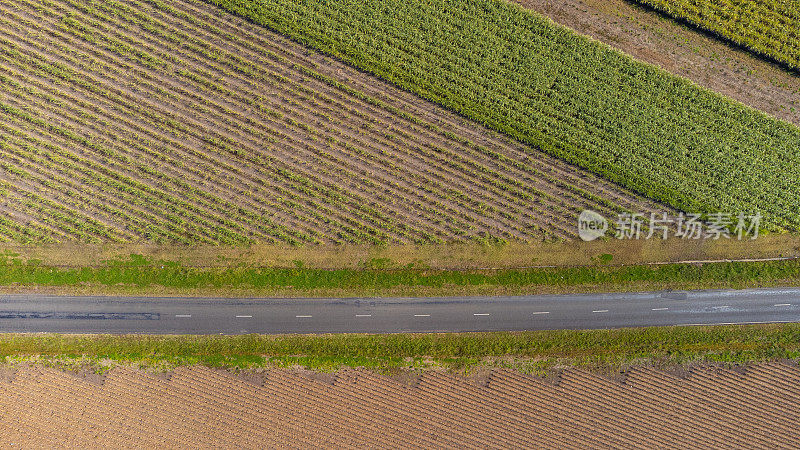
(540, 350)
(521, 74)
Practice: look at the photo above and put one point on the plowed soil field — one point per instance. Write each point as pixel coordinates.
(197, 407)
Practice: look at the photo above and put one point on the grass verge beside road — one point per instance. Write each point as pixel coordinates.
(141, 276)
(534, 351)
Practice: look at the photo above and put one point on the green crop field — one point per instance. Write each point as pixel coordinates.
(140, 121)
(518, 72)
(769, 28)
(179, 122)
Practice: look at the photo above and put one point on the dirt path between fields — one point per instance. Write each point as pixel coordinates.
(649, 37)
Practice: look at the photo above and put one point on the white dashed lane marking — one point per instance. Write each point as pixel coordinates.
(536, 313)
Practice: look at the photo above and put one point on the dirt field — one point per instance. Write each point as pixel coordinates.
(134, 121)
(709, 408)
(707, 61)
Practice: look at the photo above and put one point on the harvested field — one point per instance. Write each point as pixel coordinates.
(138, 121)
(198, 407)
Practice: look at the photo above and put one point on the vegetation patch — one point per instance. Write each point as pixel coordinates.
(141, 275)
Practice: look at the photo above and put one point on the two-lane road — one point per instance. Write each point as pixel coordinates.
(35, 313)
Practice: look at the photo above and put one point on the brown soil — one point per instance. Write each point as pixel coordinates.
(198, 407)
(709, 62)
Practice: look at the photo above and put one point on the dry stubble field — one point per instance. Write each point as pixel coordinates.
(197, 407)
(137, 121)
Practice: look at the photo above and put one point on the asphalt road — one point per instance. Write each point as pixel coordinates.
(36, 313)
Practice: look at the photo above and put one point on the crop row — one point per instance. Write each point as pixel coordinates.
(255, 72)
(770, 28)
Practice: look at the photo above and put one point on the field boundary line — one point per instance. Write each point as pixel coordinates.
(452, 269)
